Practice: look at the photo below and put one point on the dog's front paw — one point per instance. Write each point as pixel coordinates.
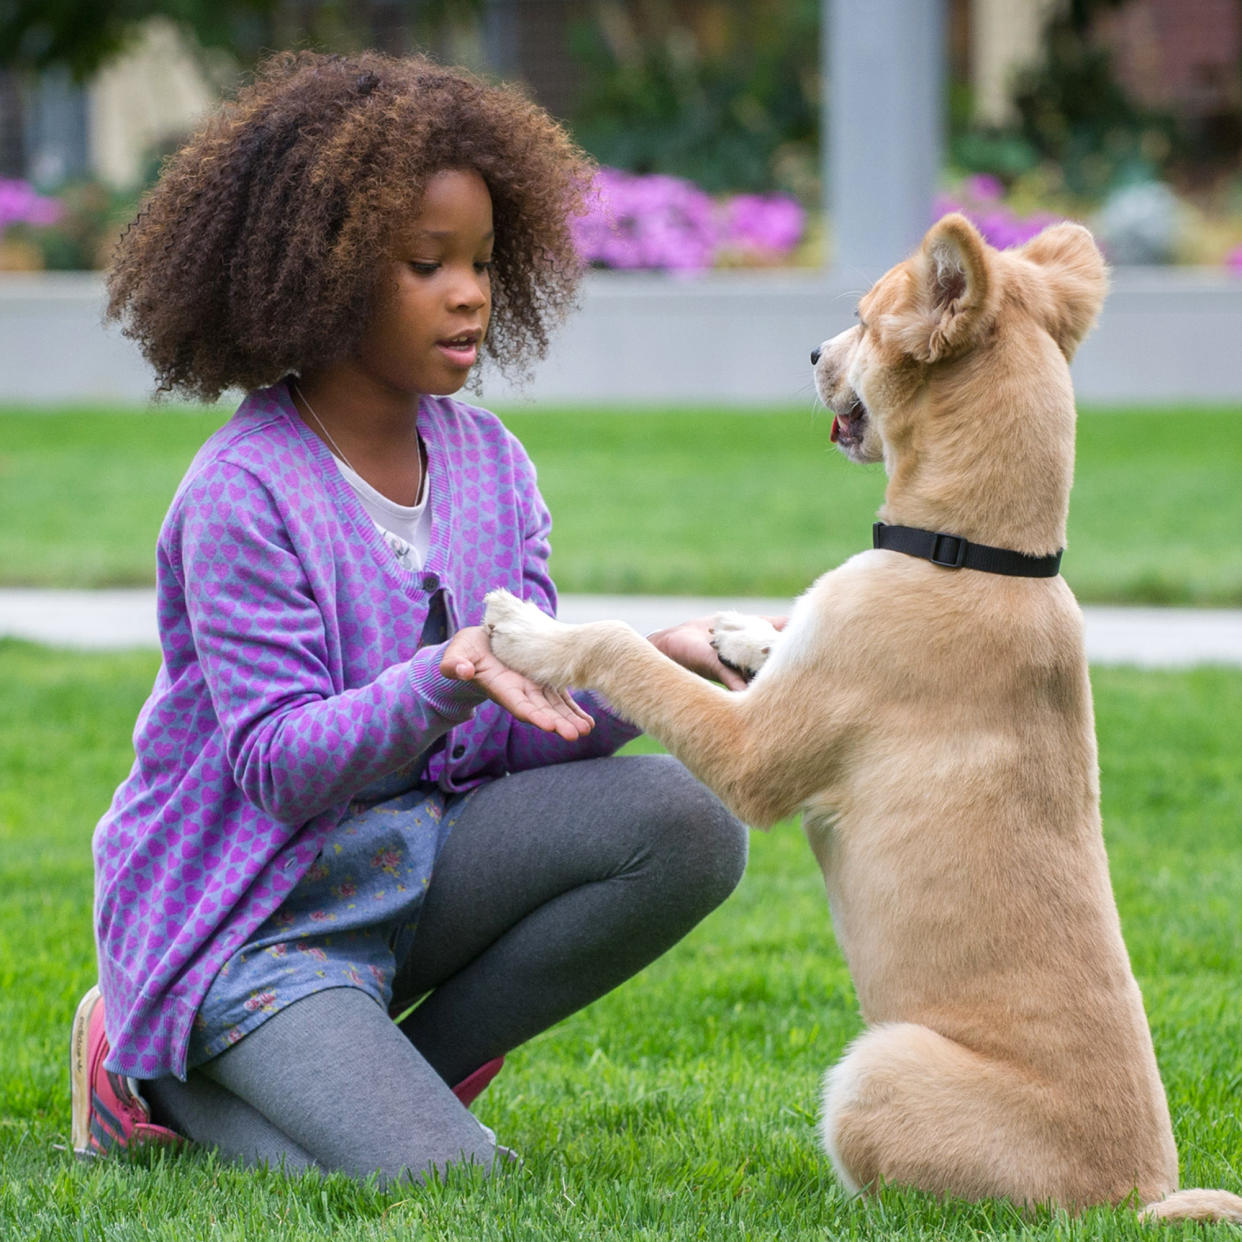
(527, 640)
(742, 642)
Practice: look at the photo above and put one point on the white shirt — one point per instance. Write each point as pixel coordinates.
(406, 528)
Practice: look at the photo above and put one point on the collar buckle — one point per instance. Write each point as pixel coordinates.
(957, 557)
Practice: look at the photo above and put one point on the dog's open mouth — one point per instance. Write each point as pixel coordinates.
(849, 423)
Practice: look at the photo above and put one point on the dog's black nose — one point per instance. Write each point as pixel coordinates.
(815, 355)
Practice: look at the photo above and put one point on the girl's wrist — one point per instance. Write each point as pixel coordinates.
(453, 699)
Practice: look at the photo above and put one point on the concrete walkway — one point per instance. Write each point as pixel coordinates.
(1147, 637)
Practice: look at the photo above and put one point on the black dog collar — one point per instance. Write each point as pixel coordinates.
(954, 552)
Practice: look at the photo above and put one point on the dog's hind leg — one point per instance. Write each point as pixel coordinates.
(909, 1107)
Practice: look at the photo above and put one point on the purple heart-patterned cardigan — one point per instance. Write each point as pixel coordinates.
(291, 678)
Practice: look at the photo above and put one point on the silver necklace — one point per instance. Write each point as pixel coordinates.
(336, 448)
(310, 409)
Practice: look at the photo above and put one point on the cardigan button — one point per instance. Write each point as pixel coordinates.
(459, 750)
(430, 582)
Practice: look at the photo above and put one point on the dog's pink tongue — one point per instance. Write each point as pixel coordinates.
(836, 429)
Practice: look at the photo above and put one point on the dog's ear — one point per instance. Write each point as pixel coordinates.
(953, 290)
(1073, 272)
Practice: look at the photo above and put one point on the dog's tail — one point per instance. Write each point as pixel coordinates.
(1195, 1205)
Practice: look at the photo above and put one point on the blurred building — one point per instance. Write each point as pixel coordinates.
(147, 98)
(109, 128)
(1178, 55)
(990, 41)
(1183, 56)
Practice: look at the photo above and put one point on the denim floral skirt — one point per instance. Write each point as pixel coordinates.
(348, 922)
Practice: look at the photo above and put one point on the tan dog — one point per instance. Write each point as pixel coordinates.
(935, 726)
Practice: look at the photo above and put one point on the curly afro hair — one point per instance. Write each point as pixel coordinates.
(258, 251)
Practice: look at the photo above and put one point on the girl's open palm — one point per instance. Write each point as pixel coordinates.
(468, 657)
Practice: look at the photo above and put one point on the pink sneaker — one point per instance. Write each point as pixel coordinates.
(473, 1085)
(108, 1113)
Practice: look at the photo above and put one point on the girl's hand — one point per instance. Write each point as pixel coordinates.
(468, 657)
(690, 645)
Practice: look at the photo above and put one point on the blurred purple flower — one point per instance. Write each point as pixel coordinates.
(1233, 260)
(769, 225)
(657, 221)
(20, 204)
(984, 188)
(1000, 225)
(945, 204)
(654, 221)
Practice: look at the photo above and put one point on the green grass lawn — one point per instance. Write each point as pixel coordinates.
(684, 501)
(683, 1105)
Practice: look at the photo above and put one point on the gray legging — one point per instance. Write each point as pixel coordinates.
(555, 886)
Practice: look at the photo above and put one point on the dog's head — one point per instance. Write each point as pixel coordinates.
(929, 321)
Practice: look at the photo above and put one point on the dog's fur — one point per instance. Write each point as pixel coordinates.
(936, 728)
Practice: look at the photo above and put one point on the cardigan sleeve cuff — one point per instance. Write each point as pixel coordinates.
(454, 700)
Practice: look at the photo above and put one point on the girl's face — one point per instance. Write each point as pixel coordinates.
(436, 298)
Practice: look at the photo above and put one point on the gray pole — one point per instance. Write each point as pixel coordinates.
(883, 128)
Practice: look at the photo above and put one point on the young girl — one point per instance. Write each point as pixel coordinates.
(353, 864)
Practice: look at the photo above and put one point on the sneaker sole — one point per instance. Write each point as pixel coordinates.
(80, 1075)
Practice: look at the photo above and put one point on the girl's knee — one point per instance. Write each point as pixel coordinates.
(711, 843)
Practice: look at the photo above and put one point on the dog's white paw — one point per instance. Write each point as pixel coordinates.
(742, 642)
(528, 640)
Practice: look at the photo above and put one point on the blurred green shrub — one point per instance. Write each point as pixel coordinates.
(726, 95)
(75, 231)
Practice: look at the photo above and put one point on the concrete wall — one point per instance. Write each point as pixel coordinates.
(722, 338)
